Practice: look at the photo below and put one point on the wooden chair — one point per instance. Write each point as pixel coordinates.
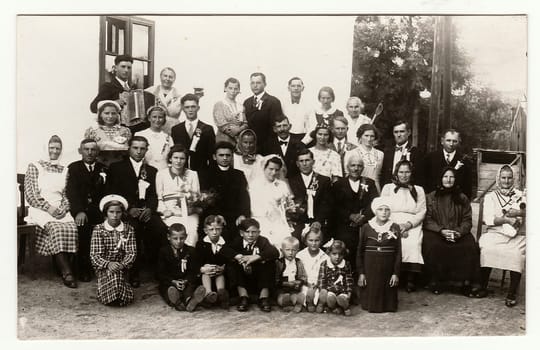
(26, 235)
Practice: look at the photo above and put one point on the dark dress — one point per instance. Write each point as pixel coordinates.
(379, 259)
(445, 260)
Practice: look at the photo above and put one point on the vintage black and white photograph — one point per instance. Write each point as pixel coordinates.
(271, 176)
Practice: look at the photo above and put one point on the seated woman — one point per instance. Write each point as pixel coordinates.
(245, 157)
(111, 137)
(270, 196)
(229, 114)
(166, 96)
(503, 245)
(449, 250)
(324, 114)
(408, 209)
(367, 134)
(44, 188)
(177, 188)
(327, 161)
(159, 142)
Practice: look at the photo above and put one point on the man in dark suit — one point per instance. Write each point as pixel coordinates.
(308, 184)
(230, 186)
(117, 88)
(402, 150)
(340, 143)
(85, 187)
(448, 156)
(260, 109)
(284, 144)
(352, 196)
(198, 137)
(135, 180)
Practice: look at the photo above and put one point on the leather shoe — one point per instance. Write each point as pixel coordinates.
(69, 280)
(264, 305)
(243, 305)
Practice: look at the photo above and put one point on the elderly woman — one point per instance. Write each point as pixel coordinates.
(449, 249)
(166, 96)
(159, 142)
(177, 189)
(229, 114)
(245, 157)
(408, 206)
(503, 245)
(327, 161)
(372, 157)
(111, 137)
(44, 187)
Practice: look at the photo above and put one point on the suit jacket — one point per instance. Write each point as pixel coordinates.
(124, 181)
(346, 147)
(232, 194)
(262, 247)
(295, 144)
(170, 266)
(261, 121)
(110, 90)
(202, 157)
(348, 202)
(84, 190)
(206, 256)
(415, 157)
(435, 163)
(322, 201)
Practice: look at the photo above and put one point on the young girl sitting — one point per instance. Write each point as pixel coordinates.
(178, 270)
(112, 252)
(212, 262)
(335, 280)
(311, 257)
(290, 276)
(379, 260)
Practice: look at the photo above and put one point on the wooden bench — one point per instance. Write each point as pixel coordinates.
(26, 235)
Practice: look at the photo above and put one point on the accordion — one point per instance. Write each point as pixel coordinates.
(134, 111)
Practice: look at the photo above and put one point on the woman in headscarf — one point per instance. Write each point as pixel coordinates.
(44, 188)
(408, 207)
(245, 156)
(449, 249)
(503, 245)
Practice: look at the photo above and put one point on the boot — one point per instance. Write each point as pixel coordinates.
(65, 267)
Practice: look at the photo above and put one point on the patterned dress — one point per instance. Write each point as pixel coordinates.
(113, 244)
(327, 162)
(44, 186)
(335, 278)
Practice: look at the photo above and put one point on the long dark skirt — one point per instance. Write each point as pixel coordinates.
(447, 261)
(377, 295)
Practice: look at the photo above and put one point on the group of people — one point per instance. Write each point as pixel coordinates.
(283, 203)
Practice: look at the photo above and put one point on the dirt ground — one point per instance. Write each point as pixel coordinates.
(48, 310)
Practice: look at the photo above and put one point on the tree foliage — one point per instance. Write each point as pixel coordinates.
(392, 59)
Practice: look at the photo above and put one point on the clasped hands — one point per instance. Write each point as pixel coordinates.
(212, 270)
(246, 260)
(56, 213)
(143, 214)
(114, 266)
(179, 284)
(450, 235)
(356, 219)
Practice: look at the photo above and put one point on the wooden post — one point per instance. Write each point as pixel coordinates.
(433, 122)
(447, 71)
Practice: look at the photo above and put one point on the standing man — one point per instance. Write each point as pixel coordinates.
(402, 150)
(355, 118)
(135, 180)
(260, 109)
(341, 143)
(448, 156)
(282, 143)
(198, 137)
(117, 88)
(296, 109)
(85, 188)
(312, 191)
(230, 185)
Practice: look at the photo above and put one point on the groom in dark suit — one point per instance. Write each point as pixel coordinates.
(198, 137)
(135, 180)
(306, 184)
(260, 109)
(448, 156)
(284, 144)
(114, 89)
(402, 150)
(84, 189)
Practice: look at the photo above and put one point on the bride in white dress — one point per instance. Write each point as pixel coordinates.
(270, 195)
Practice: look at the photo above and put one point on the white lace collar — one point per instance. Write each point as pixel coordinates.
(118, 228)
(331, 264)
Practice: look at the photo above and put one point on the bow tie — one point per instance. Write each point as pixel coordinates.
(295, 102)
(399, 148)
(283, 143)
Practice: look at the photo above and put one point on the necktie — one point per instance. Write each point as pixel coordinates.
(448, 158)
(126, 87)
(91, 168)
(190, 131)
(340, 146)
(255, 101)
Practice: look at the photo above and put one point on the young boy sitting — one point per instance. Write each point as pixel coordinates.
(252, 264)
(290, 276)
(178, 270)
(212, 261)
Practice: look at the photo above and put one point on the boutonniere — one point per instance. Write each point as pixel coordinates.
(183, 264)
(198, 132)
(256, 250)
(364, 187)
(314, 186)
(459, 164)
(143, 174)
(103, 176)
(122, 241)
(120, 139)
